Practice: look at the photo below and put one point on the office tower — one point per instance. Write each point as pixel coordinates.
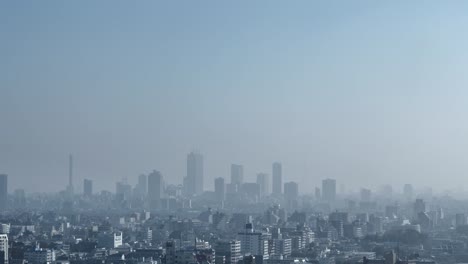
(318, 194)
(142, 185)
(366, 195)
(219, 189)
(4, 248)
(155, 189)
(263, 181)
(291, 191)
(408, 192)
(237, 174)
(419, 207)
(277, 178)
(123, 191)
(250, 190)
(460, 220)
(70, 175)
(194, 180)
(19, 198)
(329, 190)
(87, 187)
(3, 192)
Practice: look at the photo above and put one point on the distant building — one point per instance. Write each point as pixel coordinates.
(251, 190)
(318, 194)
(408, 192)
(4, 248)
(237, 174)
(3, 192)
(142, 185)
(87, 187)
(220, 191)
(329, 190)
(155, 189)
(123, 190)
(366, 195)
(460, 220)
(19, 198)
(291, 194)
(277, 178)
(263, 181)
(419, 207)
(193, 183)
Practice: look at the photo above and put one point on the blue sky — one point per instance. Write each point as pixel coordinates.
(367, 92)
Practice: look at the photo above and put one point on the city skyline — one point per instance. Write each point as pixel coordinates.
(358, 92)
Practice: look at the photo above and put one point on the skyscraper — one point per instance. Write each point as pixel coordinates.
(291, 191)
(408, 191)
(3, 192)
(237, 174)
(87, 187)
(264, 182)
(142, 184)
(329, 190)
(155, 189)
(70, 175)
(194, 179)
(277, 178)
(366, 195)
(219, 189)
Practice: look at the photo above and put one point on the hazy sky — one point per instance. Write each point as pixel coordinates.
(367, 92)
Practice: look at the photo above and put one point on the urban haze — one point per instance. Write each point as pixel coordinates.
(233, 132)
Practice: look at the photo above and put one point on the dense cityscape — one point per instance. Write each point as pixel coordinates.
(267, 221)
(233, 132)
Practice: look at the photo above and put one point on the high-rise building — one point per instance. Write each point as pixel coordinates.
(277, 178)
(291, 191)
(155, 189)
(408, 192)
(237, 174)
(220, 189)
(194, 180)
(142, 184)
(4, 248)
(329, 190)
(87, 187)
(318, 193)
(366, 195)
(3, 192)
(70, 175)
(19, 198)
(263, 182)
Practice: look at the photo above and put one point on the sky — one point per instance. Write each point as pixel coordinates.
(366, 92)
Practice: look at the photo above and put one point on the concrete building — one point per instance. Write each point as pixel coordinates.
(263, 181)
(155, 190)
(4, 248)
(3, 192)
(237, 174)
(231, 250)
(277, 178)
(193, 183)
(220, 189)
(252, 242)
(329, 190)
(87, 187)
